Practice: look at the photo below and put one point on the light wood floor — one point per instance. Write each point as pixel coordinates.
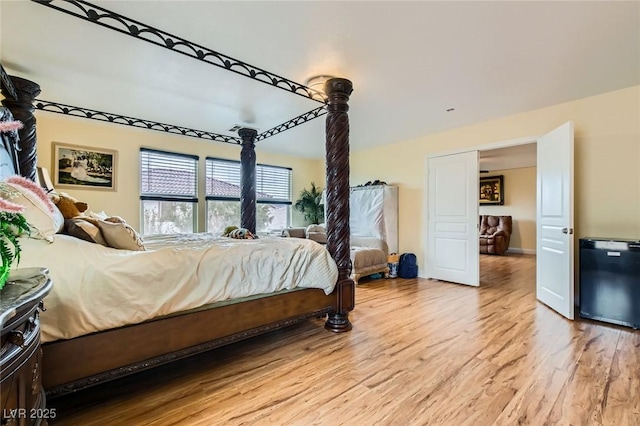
(421, 352)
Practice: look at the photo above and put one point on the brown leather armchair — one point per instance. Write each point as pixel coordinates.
(495, 233)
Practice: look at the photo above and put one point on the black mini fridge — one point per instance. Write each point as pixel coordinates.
(610, 280)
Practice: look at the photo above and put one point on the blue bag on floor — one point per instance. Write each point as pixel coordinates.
(408, 266)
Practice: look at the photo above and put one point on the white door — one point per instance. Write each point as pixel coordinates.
(555, 248)
(452, 224)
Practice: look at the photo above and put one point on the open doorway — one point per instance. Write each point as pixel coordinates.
(507, 219)
(516, 167)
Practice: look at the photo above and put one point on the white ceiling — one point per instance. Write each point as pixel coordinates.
(409, 62)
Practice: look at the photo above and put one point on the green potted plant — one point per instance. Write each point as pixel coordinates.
(12, 225)
(12, 222)
(310, 204)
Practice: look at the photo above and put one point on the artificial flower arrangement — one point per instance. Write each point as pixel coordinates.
(10, 126)
(12, 222)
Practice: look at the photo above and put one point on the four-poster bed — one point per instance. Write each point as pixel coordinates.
(73, 364)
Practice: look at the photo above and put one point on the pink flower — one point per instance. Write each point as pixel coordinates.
(9, 207)
(34, 188)
(7, 126)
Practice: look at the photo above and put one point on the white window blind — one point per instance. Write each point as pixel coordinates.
(168, 176)
(222, 179)
(273, 183)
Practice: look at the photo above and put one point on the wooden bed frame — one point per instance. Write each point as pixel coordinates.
(74, 364)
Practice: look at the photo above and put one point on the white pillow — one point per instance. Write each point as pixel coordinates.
(41, 214)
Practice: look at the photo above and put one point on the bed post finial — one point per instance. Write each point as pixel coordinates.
(337, 184)
(22, 109)
(248, 179)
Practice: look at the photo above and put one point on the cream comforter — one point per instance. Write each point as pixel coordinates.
(98, 288)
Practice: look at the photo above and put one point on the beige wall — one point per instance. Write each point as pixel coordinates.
(127, 141)
(607, 154)
(520, 204)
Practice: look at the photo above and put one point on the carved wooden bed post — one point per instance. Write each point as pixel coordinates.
(337, 170)
(22, 109)
(248, 179)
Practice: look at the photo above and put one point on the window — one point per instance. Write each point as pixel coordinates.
(273, 195)
(168, 192)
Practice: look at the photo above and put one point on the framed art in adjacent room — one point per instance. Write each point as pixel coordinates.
(83, 167)
(492, 190)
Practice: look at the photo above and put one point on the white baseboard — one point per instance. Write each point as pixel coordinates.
(521, 250)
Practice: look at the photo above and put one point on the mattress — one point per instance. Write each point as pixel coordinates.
(98, 288)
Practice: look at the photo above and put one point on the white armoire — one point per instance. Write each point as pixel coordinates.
(374, 213)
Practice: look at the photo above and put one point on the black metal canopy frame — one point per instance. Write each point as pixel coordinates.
(171, 128)
(130, 121)
(301, 119)
(122, 24)
(334, 105)
(112, 20)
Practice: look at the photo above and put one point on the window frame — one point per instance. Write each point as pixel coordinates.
(259, 200)
(193, 199)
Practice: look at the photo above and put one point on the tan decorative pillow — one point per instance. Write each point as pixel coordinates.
(84, 230)
(120, 236)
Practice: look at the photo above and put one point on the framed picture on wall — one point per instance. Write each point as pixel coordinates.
(492, 190)
(83, 167)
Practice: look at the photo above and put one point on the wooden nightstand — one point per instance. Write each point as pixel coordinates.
(21, 392)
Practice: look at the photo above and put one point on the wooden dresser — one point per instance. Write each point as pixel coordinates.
(23, 399)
